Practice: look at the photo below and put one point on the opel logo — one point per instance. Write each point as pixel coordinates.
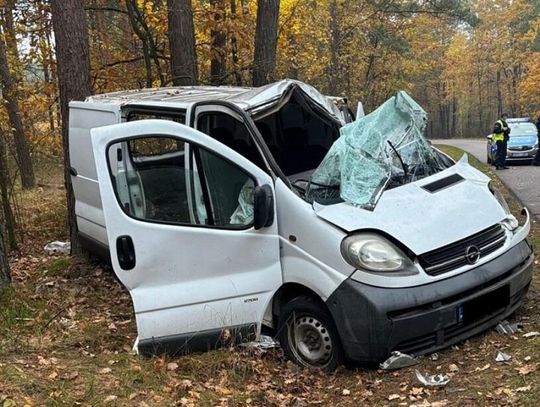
(472, 254)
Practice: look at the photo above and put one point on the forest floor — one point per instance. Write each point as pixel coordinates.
(67, 331)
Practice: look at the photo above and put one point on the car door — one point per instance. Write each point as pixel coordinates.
(194, 265)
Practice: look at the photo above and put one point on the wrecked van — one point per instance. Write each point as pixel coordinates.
(231, 210)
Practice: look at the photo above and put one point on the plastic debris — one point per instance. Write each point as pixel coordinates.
(531, 334)
(434, 381)
(398, 360)
(57, 247)
(505, 328)
(503, 357)
(265, 342)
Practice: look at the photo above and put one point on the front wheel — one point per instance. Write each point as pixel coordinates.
(488, 159)
(308, 335)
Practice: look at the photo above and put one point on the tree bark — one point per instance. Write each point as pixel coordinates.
(24, 162)
(234, 48)
(8, 217)
(264, 59)
(5, 275)
(218, 41)
(72, 55)
(182, 43)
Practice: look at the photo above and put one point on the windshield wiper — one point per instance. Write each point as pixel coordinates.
(400, 160)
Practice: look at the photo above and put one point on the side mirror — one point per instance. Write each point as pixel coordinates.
(489, 136)
(263, 210)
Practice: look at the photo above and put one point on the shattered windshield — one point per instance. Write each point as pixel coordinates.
(382, 150)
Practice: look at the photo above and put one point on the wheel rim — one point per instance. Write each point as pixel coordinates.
(310, 340)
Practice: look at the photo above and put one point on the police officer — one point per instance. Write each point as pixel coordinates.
(536, 160)
(501, 135)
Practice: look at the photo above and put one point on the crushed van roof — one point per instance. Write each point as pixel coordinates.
(244, 97)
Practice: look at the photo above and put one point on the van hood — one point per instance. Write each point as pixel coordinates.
(427, 214)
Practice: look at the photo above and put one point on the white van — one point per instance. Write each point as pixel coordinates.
(201, 194)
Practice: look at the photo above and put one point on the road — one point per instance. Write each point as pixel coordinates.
(522, 179)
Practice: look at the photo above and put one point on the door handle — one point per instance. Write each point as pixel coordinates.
(126, 252)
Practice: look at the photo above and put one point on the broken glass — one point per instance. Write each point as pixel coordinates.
(381, 150)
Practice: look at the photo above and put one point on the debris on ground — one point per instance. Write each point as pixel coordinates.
(265, 342)
(506, 328)
(434, 357)
(434, 381)
(503, 357)
(398, 360)
(57, 247)
(531, 334)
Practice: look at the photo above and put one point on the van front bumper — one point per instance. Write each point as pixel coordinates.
(374, 321)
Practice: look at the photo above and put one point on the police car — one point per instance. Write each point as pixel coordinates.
(523, 143)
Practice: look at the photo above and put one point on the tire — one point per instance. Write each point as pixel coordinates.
(308, 335)
(488, 159)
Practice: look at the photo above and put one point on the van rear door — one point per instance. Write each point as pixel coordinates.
(179, 211)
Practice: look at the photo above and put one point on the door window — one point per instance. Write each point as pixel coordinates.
(232, 132)
(167, 180)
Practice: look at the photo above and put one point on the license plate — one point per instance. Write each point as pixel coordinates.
(520, 154)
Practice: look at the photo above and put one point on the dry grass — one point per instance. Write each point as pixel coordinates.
(67, 328)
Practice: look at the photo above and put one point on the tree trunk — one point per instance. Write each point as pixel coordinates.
(218, 41)
(8, 218)
(72, 54)
(264, 59)
(5, 275)
(334, 50)
(182, 43)
(24, 162)
(234, 48)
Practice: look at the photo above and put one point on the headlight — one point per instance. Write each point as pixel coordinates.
(374, 253)
(510, 222)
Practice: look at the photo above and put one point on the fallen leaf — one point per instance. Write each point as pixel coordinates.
(393, 397)
(53, 375)
(346, 392)
(415, 391)
(531, 334)
(481, 369)
(223, 391)
(453, 368)
(523, 389)
(105, 370)
(110, 398)
(526, 369)
(172, 366)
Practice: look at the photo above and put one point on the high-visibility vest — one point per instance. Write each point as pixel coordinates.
(499, 136)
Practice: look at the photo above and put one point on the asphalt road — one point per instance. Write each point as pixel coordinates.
(522, 179)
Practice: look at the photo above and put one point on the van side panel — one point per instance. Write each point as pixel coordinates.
(83, 116)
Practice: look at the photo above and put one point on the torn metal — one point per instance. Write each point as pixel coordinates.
(379, 151)
(398, 360)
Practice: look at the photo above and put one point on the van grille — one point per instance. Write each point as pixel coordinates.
(453, 256)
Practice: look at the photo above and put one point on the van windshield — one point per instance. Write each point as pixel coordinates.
(382, 150)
